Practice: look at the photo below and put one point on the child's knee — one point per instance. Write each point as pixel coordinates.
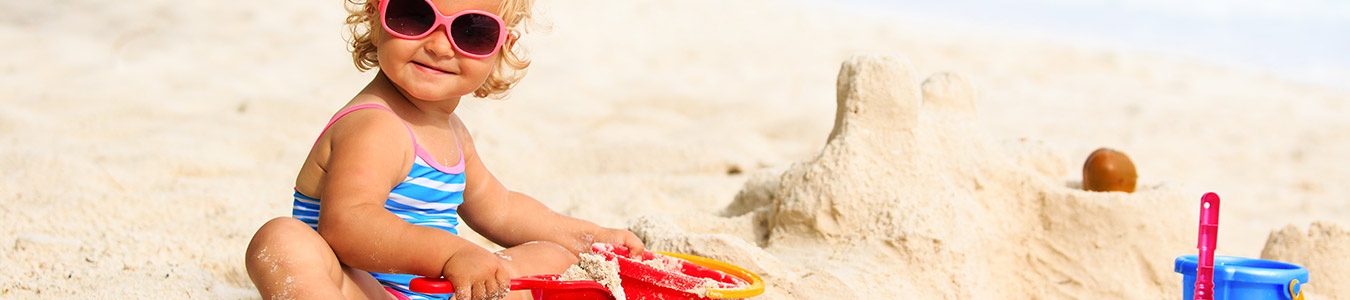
(283, 224)
(277, 235)
(276, 230)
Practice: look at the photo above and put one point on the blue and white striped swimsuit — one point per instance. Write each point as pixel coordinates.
(429, 196)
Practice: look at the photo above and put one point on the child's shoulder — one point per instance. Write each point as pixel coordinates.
(360, 137)
(367, 123)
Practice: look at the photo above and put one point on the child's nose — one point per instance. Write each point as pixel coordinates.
(439, 44)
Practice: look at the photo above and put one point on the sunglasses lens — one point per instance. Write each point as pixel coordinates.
(409, 17)
(475, 33)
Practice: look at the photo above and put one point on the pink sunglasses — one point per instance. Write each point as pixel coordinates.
(474, 33)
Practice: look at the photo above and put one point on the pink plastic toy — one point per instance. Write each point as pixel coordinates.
(1209, 233)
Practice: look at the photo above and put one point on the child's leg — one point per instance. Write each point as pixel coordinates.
(289, 260)
(536, 258)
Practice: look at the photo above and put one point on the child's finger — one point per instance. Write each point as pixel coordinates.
(635, 250)
(635, 246)
(480, 290)
(491, 288)
(462, 289)
(503, 281)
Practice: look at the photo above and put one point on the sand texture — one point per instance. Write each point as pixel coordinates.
(907, 197)
(142, 142)
(593, 267)
(1322, 249)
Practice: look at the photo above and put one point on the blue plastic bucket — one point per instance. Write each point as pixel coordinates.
(1237, 278)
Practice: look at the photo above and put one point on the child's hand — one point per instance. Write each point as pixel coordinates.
(622, 237)
(476, 274)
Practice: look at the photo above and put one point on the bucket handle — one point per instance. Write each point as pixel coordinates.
(1292, 294)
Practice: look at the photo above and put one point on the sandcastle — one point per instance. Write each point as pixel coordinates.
(1322, 249)
(909, 197)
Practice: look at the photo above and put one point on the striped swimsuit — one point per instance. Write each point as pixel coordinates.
(429, 196)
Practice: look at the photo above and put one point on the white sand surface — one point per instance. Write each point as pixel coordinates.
(144, 141)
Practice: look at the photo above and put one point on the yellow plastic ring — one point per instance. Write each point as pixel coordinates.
(756, 284)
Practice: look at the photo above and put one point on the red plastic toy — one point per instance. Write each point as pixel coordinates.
(542, 286)
(642, 282)
(696, 278)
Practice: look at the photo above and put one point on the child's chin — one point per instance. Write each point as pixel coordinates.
(438, 95)
(433, 90)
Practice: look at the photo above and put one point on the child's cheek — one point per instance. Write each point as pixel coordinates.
(483, 68)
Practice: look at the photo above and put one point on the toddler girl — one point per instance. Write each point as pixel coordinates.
(386, 182)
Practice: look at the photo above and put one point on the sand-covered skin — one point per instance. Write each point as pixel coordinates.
(142, 142)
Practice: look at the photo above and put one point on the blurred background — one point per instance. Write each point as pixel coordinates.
(1301, 40)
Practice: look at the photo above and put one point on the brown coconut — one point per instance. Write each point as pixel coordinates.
(1108, 170)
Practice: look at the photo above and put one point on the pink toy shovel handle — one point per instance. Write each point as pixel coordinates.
(1209, 233)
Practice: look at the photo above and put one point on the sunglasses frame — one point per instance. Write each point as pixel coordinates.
(445, 21)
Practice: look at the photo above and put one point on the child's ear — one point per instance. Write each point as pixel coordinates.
(511, 38)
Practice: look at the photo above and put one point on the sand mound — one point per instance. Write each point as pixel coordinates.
(910, 197)
(594, 267)
(1322, 250)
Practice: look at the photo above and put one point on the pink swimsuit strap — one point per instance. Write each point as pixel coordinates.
(458, 168)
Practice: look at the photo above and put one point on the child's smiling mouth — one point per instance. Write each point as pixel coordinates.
(431, 69)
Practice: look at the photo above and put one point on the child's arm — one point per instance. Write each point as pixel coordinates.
(510, 218)
(369, 153)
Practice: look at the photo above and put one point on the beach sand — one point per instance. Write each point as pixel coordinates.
(145, 141)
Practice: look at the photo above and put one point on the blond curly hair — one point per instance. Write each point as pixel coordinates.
(363, 16)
